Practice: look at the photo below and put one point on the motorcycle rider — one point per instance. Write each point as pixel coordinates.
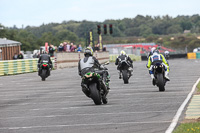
(157, 57)
(88, 64)
(124, 56)
(166, 54)
(44, 57)
(151, 52)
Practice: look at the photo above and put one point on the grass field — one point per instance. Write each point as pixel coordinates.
(189, 127)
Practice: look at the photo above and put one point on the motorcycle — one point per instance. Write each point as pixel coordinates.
(167, 56)
(44, 70)
(159, 72)
(97, 86)
(125, 69)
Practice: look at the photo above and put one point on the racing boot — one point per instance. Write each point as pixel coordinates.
(38, 67)
(166, 76)
(85, 90)
(104, 92)
(153, 79)
(104, 100)
(120, 75)
(131, 70)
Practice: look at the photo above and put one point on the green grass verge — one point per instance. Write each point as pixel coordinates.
(193, 127)
(198, 87)
(188, 128)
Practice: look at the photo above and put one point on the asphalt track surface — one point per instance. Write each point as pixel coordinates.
(57, 105)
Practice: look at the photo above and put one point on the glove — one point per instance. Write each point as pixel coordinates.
(79, 73)
(101, 67)
(105, 68)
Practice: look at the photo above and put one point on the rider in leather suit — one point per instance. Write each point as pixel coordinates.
(44, 57)
(124, 56)
(88, 64)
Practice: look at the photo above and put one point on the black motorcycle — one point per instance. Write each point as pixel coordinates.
(44, 70)
(159, 72)
(97, 85)
(124, 67)
(167, 56)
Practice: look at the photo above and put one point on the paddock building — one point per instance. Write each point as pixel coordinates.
(8, 48)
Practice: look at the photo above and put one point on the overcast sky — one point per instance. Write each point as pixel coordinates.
(37, 12)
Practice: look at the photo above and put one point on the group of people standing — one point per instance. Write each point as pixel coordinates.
(18, 56)
(69, 47)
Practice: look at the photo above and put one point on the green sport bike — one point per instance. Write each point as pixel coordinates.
(96, 83)
(44, 70)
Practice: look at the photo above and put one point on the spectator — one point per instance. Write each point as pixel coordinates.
(72, 48)
(15, 57)
(51, 50)
(98, 47)
(79, 48)
(75, 48)
(95, 47)
(68, 47)
(20, 56)
(104, 48)
(64, 46)
(60, 48)
(56, 49)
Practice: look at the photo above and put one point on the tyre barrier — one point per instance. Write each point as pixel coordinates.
(191, 55)
(11, 67)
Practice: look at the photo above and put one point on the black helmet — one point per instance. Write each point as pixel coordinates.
(88, 51)
(156, 51)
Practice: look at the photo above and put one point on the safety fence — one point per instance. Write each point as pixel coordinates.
(113, 57)
(11, 67)
(62, 60)
(65, 60)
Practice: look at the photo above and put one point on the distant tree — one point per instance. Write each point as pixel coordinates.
(145, 30)
(186, 25)
(3, 31)
(84, 28)
(174, 29)
(27, 39)
(48, 37)
(66, 35)
(132, 31)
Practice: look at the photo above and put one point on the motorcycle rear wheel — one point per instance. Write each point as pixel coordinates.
(95, 94)
(125, 76)
(43, 74)
(161, 83)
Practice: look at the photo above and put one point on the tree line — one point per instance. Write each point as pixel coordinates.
(159, 29)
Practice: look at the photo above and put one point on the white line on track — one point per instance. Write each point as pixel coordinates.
(79, 101)
(78, 125)
(90, 106)
(94, 114)
(118, 94)
(181, 108)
